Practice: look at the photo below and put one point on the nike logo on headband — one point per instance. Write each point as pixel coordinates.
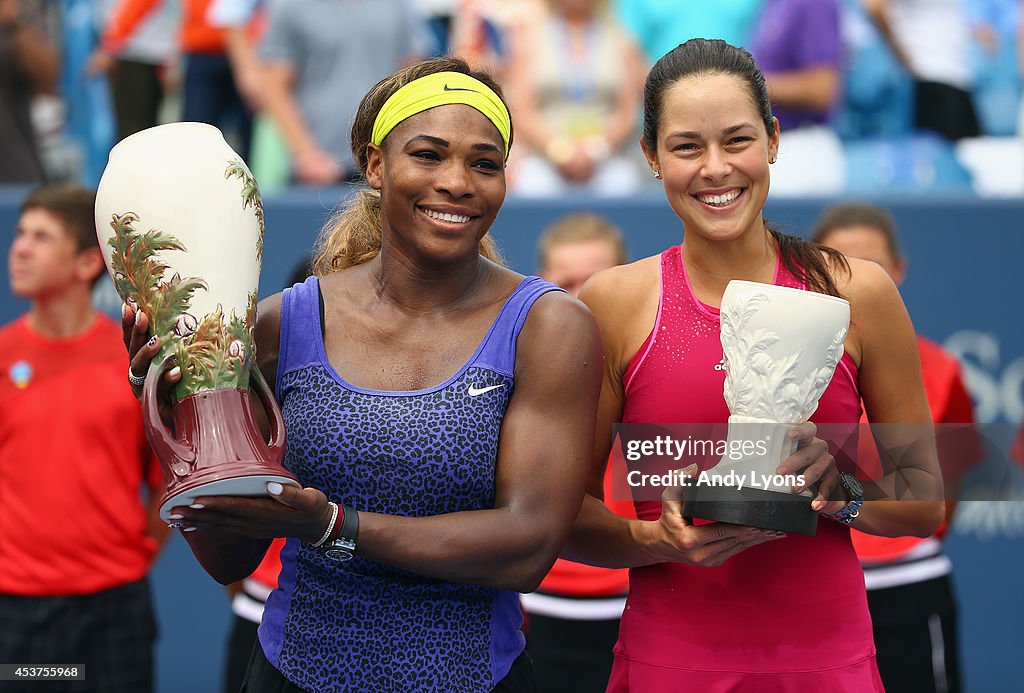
(447, 88)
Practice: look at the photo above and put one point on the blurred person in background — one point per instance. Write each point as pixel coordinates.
(480, 30)
(576, 81)
(209, 92)
(877, 94)
(931, 39)
(573, 617)
(909, 579)
(660, 25)
(244, 23)
(77, 540)
(439, 16)
(995, 28)
(315, 76)
(29, 66)
(142, 70)
(798, 45)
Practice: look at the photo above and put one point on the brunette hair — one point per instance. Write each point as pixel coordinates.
(74, 207)
(811, 263)
(581, 227)
(850, 214)
(352, 235)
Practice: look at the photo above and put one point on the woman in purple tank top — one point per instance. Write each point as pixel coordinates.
(721, 607)
(440, 412)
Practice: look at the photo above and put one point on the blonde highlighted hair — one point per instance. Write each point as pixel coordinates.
(352, 235)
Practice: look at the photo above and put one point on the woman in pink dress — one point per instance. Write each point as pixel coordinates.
(713, 606)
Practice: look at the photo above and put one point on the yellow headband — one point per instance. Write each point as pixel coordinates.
(440, 89)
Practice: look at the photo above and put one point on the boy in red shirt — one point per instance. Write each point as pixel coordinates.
(76, 538)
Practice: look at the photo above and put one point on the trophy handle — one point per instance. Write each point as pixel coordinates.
(163, 443)
(277, 433)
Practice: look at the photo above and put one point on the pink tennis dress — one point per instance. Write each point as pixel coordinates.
(787, 615)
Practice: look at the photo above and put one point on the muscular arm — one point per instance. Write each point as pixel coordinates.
(907, 499)
(543, 456)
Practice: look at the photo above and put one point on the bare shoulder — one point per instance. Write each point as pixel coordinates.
(866, 284)
(558, 316)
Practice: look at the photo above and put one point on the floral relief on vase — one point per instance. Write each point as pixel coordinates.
(214, 351)
(774, 384)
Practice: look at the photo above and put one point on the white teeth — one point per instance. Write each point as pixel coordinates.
(441, 216)
(719, 200)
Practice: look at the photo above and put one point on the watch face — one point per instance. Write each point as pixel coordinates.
(338, 554)
(853, 486)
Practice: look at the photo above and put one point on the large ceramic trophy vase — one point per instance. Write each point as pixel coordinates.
(781, 348)
(180, 221)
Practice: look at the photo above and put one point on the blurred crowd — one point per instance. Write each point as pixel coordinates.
(871, 95)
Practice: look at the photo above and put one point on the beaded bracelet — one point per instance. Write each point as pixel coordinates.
(330, 526)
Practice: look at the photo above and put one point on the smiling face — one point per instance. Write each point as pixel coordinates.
(441, 175)
(712, 151)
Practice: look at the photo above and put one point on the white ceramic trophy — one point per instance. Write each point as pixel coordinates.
(781, 348)
(180, 221)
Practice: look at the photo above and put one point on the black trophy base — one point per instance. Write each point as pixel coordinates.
(753, 507)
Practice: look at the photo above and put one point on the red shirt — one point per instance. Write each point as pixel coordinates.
(267, 571)
(197, 36)
(958, 446)
(73, 458)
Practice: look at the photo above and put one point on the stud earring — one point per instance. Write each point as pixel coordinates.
(657, 174)
(772, 160)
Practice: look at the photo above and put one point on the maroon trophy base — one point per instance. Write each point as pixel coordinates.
(218, 449)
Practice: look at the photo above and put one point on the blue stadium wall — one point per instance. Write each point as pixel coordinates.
(966, 265)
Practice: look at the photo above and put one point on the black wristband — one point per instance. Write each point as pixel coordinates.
(343, 547)
(349, 524)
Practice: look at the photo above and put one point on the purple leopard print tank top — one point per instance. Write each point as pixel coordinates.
(363, 625)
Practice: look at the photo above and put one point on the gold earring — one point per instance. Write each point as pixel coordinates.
(657, 174)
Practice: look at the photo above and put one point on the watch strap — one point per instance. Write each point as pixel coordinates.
(849, 513)
(343, 547)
